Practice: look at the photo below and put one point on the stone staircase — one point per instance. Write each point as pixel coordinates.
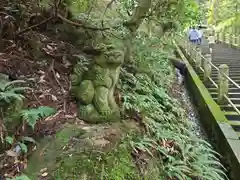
(224, 54)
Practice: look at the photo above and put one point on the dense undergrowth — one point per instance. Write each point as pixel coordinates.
(166, 147)
(163, 146)
(169, 138)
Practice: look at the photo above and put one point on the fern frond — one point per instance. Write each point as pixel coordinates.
(19, 89)
(31, 116)
(8, 96)
(11, 83)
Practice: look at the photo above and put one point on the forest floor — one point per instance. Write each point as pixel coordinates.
(48, 77)
(47, 71)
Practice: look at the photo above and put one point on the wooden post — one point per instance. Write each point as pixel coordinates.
(198, 58)
(207, 67)
(222, 83)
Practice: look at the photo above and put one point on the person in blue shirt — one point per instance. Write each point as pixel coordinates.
(193, 35)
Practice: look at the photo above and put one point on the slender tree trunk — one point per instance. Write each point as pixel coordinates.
(133, 24)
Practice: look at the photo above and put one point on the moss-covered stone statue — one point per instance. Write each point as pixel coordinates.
(94, 87)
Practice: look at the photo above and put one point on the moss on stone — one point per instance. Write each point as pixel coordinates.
(49, 149)
(78, 154)
(114, 165)
(206, 97)
(85, 92)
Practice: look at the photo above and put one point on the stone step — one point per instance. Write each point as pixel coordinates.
(231, 73)
(230, 113)
(234, 123)
(234, 100)
(222, 50)
(231, 64)
(229, 107)
(215, 79)
(230, 94)
(233, 117)
(226, 53)
(213, 89)
(237, 81)
(234, 68)
(237, 70)
(215, 76)
(226, 57)
(236, 128)
(212, 85)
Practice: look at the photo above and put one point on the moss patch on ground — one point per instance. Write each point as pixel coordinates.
(49, 149)
(116, 164)
(87, 152)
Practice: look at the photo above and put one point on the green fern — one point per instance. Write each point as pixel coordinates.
(190, 157)
(7, 85)
(9, 93)
(31, 116)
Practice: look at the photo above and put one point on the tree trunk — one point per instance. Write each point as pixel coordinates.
(133, 25)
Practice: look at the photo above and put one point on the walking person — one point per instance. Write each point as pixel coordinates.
(193, 35)
(211, 41)
(200, 33)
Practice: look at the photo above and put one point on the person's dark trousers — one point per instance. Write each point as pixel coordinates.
(194, 41)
